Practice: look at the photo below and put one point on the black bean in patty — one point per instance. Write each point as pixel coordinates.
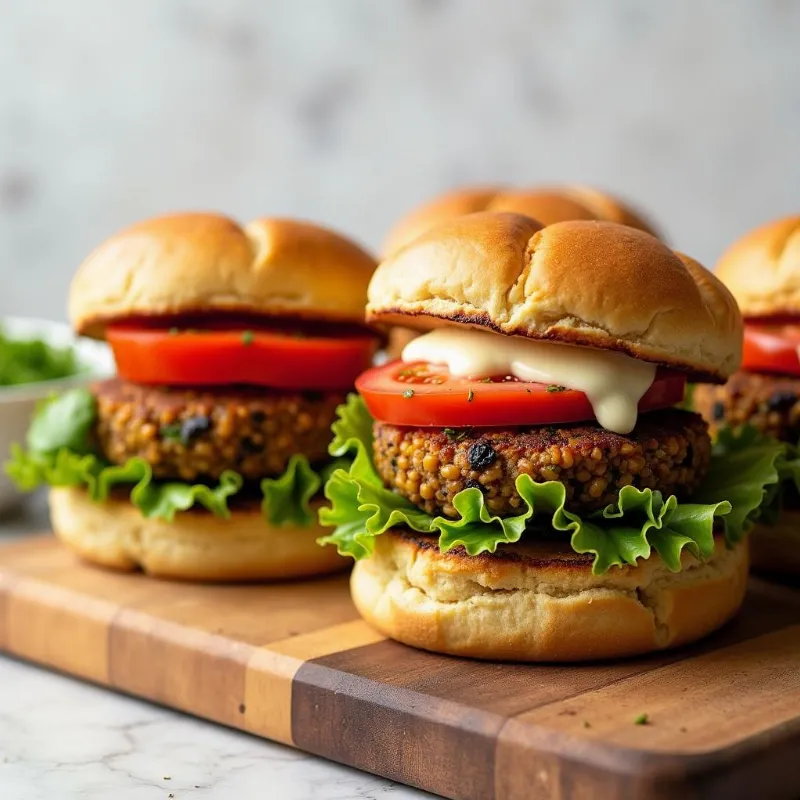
(481, 454)
(668, 450)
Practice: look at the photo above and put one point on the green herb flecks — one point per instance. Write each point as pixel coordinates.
(457, 434)
(642, 719)
(247, 338)
(171, 432)
(553, 387)
(408, 393)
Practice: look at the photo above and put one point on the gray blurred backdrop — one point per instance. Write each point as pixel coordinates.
(350, 111)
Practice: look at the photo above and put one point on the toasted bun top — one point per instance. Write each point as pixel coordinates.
(762, 269)
(548, 205)
(597, 284)
(201, 263)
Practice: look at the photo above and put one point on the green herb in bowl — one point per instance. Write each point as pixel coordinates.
(32, 360)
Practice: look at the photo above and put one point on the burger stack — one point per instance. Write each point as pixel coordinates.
(524, 481)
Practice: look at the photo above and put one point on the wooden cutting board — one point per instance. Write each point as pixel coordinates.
(294, 663)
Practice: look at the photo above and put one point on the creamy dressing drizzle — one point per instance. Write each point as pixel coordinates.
(613, 382)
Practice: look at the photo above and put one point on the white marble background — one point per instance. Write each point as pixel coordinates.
(64, 740)
(350, 111)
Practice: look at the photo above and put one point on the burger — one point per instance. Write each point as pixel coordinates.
(762, 270)
(204, 458)
(548, 205)
(523, 485)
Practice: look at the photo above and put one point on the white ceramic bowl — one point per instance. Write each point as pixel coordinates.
(18, 402)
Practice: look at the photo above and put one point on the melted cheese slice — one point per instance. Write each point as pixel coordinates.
(613, 382)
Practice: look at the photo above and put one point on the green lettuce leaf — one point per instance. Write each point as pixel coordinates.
(287, 499)
(63, 422)
(638, 523)
(731, 443)
(60, 454)
(161, 499)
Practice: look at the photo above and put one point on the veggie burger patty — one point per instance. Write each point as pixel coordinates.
(668, 450)
(770, 403)
(191, 434)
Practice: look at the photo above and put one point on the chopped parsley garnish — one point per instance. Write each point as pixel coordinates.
(457, 434)
(486, 380)
(247, 338)
(408, 393)
(553, 387)
(642, 719)
(171, 432)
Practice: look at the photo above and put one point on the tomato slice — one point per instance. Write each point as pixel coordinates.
(425, 395)
(253, 357)
(771, 349)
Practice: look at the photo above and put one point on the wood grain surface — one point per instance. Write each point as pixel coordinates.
(294, 663)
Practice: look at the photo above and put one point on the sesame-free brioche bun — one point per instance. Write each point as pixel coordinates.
(776, 548)
(762, 269)
(195, 546)
(597, 284)
(206, 263)
(548, 205)
(540, 601)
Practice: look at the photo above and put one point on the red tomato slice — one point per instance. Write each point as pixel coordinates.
(424, 395)
(771, 350)
(227, 357)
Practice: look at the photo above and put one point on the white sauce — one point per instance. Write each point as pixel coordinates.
(613, 382)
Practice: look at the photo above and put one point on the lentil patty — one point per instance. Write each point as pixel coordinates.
(197, 434)
(770, 403)
(668, 450)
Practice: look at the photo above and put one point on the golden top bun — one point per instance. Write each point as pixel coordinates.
(539, 601)
(548, 205)
(596, 284)
(200, 263)
(762, 269)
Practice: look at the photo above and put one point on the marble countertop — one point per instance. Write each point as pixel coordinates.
(62, 739)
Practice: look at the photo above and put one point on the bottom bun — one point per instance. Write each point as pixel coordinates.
(196, 545)
(540, 601)
(776, 548)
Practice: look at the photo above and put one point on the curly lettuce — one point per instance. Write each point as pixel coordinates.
(287, 499)
(60, 453)
(162, 499)
(640, 522)
(787, 465)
